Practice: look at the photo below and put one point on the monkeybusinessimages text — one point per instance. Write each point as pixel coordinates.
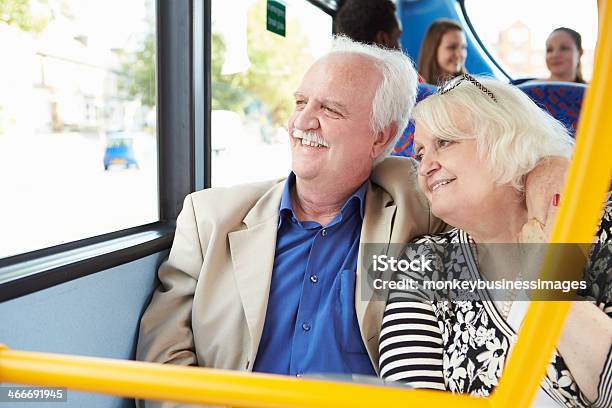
(384, 263)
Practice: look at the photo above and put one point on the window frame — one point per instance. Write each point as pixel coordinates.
(183, 41)
(328, 6)
(179, 134)
(481, 44)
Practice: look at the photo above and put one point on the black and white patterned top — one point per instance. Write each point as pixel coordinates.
(461, 346)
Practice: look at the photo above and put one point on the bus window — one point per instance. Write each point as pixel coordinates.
(75, 75)
(254, 75)
(517, 37)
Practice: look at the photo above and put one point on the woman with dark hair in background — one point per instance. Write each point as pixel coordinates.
(443, 52)
(370, 22)
(563, 52)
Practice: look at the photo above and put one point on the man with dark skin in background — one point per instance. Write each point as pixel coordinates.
(370, 22)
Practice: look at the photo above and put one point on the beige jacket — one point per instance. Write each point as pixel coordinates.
(210, 307)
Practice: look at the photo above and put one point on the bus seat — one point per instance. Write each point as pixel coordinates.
(404, 147)
(95, 315)
(562, 100)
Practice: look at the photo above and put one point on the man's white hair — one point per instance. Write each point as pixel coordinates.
(512, 134)
(396, 93)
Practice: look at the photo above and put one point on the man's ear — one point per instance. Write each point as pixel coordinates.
(383, 138)
(383, 38)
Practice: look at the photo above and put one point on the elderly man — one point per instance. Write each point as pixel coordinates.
(265, 276)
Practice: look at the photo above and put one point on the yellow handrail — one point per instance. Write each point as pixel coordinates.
(581, 205)
(195, 385)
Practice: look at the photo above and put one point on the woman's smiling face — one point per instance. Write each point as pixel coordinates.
(455, 180)
(452, 52)
(562, 55)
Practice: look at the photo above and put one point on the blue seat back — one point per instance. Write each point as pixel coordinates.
(96, 315)
(404, 145)
(563, 100)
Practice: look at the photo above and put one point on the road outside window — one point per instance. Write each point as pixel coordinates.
(77, 120)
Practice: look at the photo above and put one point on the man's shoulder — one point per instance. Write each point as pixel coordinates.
(397, 163)
(396, 175)
(395, 179)
(246, 190)
(234, 201)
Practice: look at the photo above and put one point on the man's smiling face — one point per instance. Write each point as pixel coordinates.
(331, 136)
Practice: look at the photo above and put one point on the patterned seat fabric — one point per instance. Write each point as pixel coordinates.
(562, 100)
(404, 145)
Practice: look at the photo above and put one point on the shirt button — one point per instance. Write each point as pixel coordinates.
(314, 278)
(305, 326)
(324, 232)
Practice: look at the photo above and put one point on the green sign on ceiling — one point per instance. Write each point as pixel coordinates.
(275, 17)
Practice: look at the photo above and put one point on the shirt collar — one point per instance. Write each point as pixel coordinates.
(286, 207)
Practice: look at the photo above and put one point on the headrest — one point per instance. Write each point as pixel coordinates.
(562, 100)
(404, 147)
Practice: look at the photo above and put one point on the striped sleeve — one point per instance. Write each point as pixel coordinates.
(604, 388)
(411, 344)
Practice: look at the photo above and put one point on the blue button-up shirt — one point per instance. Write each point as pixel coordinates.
(311, 325)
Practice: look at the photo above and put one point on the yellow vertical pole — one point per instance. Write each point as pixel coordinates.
(581, 204)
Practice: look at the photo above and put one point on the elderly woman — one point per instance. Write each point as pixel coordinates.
(475, 141)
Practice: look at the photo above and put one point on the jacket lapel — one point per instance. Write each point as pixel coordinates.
(252, 251)
(377, 228)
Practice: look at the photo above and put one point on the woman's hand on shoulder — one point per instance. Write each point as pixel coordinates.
(542, 183)
(534, 231)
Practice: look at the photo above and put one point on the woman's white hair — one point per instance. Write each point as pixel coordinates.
(512, 134)
(396, 94)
